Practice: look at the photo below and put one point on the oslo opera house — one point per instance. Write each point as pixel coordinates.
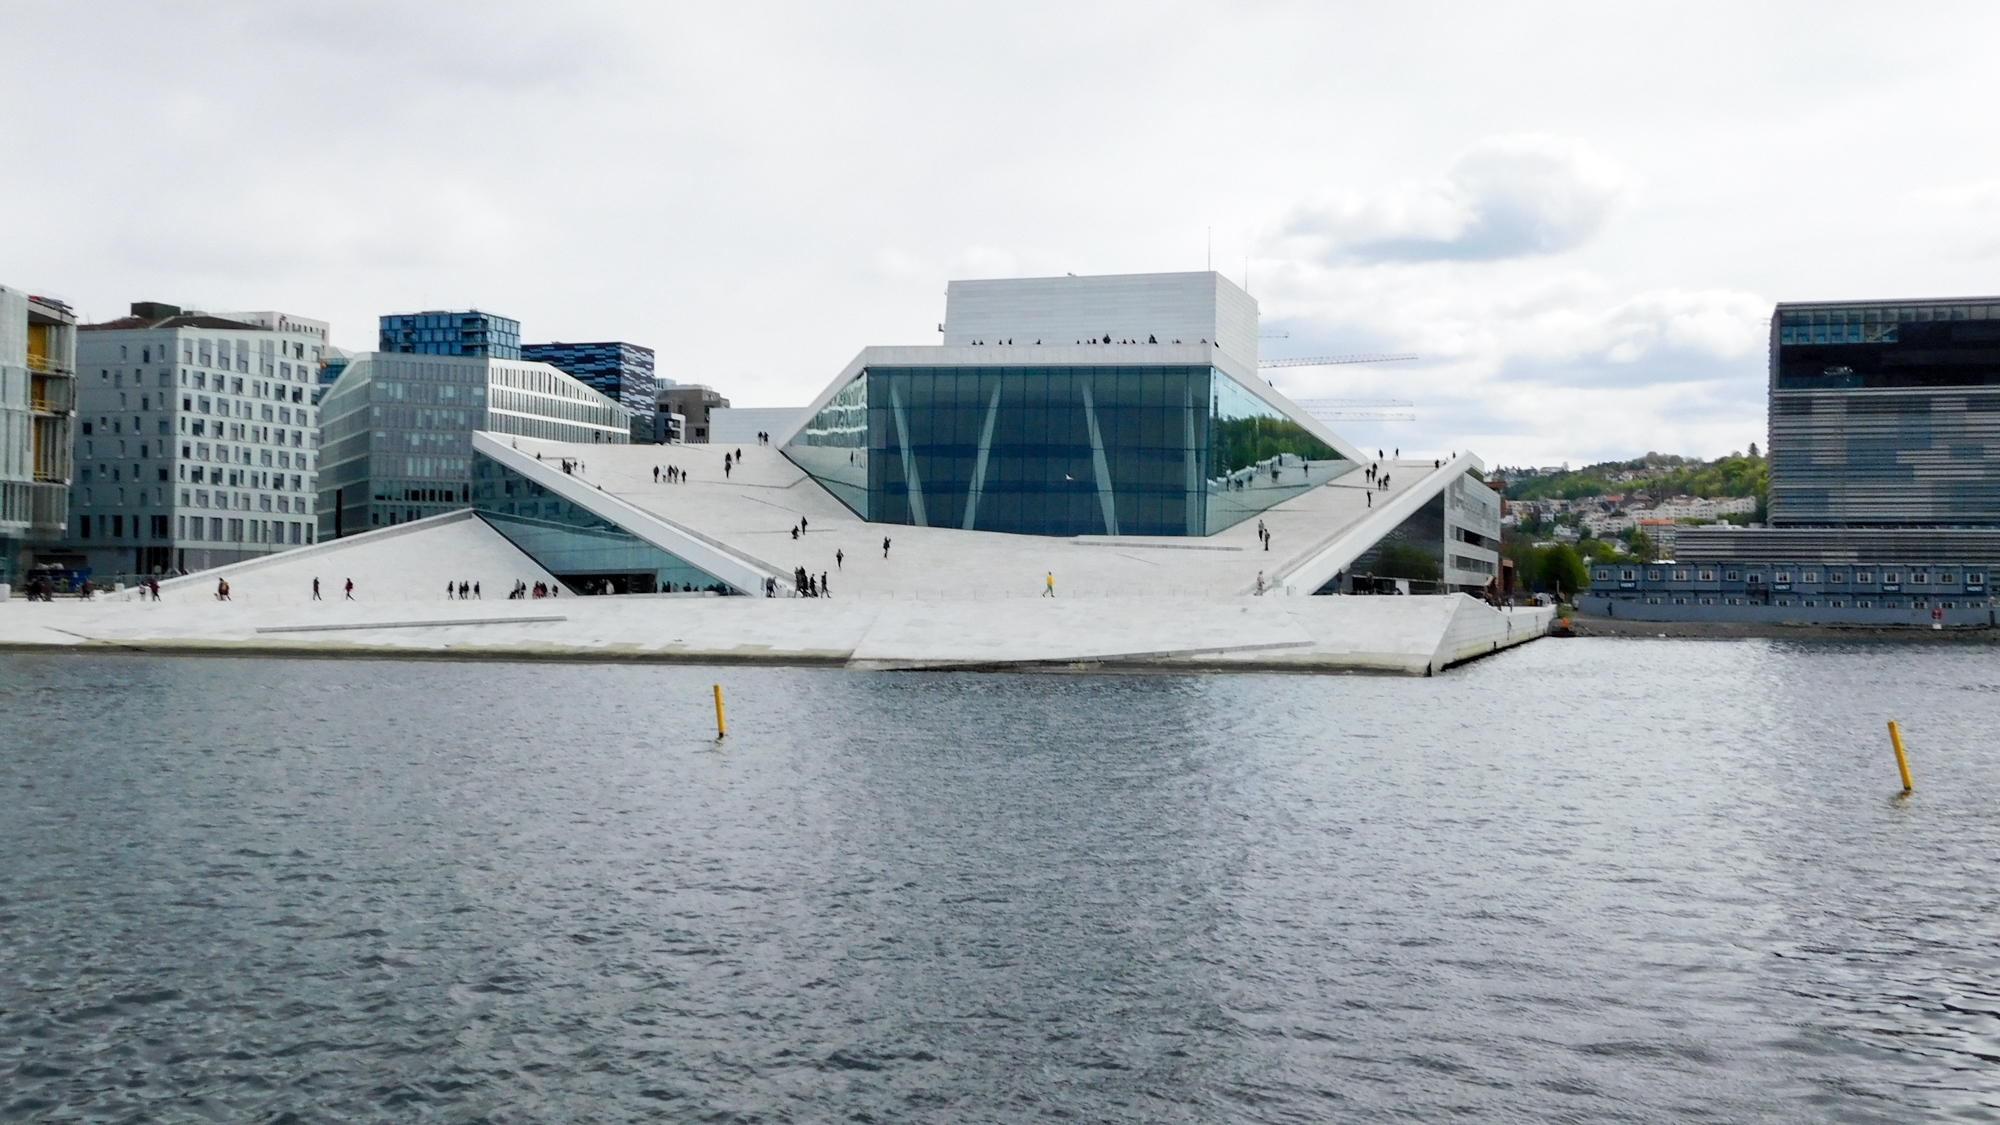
(1107, 439)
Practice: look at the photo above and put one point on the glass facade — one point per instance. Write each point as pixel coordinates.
(396, 431)
(438, 332)
(619, 371)
(1885, 414)
(1111, 450)
(589, 553)
(1408, 560)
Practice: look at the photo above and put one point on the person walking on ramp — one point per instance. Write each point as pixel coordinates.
(1049, 589)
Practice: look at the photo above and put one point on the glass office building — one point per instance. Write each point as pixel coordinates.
(617, 370)
(1885, 414)
(396, 431)
(1059, 450)
(438, 332)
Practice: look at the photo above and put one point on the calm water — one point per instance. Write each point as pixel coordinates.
(1590, 881)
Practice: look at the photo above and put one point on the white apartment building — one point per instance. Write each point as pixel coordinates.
(197, 439)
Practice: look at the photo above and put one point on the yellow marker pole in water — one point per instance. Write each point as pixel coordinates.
(1902, 763)
(719, 732)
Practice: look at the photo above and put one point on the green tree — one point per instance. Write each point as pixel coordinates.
(1558, 569)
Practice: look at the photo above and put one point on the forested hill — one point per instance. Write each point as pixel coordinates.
(1655, 473)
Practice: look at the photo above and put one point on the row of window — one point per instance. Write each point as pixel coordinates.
(1812, 603)
(240, 501)
(1862, 577)
(220, 530)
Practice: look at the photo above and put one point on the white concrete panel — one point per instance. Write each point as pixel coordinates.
(1187, 307)
(407, 563)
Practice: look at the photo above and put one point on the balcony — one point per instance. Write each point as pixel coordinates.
(51, 394)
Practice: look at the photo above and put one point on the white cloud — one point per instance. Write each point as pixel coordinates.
(1507, 197)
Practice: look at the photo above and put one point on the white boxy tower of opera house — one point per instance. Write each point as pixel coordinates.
(1086, 469)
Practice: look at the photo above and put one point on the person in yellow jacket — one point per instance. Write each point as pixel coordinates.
(1049, 591)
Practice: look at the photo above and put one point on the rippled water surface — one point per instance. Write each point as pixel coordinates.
(1588, 881)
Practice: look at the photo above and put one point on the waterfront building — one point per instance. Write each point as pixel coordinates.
(694, 402)
(1885, 413)
(1808, 576)
(1135, 469)
(469, 332)
(1884, 479)
(397, 430)
(37, 420)
(1108, 406)
(196, 439)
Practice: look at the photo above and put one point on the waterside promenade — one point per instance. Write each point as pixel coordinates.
(1401, 635)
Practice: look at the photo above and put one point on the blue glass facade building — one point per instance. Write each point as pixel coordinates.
(617, 370)
(438, 332)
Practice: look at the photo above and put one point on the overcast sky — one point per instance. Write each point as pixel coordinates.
(1579, 216)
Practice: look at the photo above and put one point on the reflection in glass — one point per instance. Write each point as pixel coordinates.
(1409, 559)
(1059, 450)
(588, 552)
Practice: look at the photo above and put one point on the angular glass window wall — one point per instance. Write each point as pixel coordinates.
(1408, 560)
(588, 552)
(1060, 450)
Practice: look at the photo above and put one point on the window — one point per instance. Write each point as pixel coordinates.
(1707, 576)
(1974, 578)
(1783, 578)
(1945, 578)
(1812, 576)
(1919, 578)
(1730, 576)
(1628, 575)
(1680, 576)
(1862, 576)
(1891, 577)
(1652, 576)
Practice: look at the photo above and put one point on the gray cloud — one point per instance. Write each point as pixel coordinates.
(1508, 197)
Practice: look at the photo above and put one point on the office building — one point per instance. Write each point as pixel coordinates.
(694, 403)
(438, 332)
(37, 420)
(1884, 486)
(196, 440)
(1885, 414)
(619, 371)
(397, 430)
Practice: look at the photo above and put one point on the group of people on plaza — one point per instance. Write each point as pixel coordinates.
(540, 590)
(316, 597)
(1263, 535)
(810, 587)
(462, 590)
(672, 474)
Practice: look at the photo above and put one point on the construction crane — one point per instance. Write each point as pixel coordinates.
(1359, 409)
(1330, 360)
